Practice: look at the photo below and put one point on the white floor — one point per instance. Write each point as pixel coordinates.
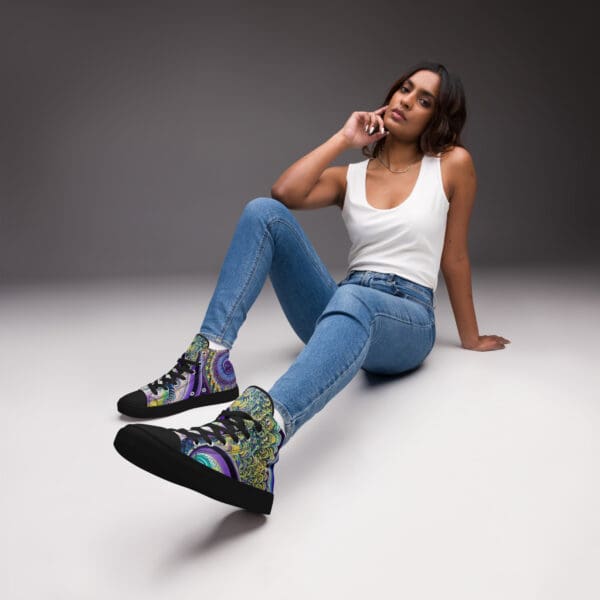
(475, 477)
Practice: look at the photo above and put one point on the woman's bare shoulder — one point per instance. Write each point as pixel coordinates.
(454, 162)
(457, 156)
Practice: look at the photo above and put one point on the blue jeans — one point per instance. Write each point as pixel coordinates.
(379, 322)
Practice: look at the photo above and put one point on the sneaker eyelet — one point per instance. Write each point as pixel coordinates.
(203, 389)
(192, 393)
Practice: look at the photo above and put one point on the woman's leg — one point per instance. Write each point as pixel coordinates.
(360, 327)
(232, 458)
(268, 240)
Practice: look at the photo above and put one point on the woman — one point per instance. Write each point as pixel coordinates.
(407, 209)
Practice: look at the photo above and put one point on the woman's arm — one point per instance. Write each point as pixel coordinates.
(458, 283)
(455, 263)
(306, 184)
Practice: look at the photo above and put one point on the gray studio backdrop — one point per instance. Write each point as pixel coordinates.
(133, 133)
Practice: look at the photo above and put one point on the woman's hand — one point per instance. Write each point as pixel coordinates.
(487, 342)
(356, 129)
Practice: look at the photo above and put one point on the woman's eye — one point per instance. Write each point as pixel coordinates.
(427, 104)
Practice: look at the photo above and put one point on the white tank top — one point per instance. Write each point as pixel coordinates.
(406, 240)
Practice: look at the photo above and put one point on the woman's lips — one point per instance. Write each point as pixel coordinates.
(397, 116)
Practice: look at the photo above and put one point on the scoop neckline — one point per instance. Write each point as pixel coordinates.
(412, 192)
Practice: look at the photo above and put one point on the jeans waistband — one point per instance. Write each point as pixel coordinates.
(391, 283)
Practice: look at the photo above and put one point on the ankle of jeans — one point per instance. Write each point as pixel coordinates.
(217, 340)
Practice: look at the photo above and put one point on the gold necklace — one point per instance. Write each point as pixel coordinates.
(402, 170)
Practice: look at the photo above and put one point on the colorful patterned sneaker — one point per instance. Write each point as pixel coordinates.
(201, 376)
(230, 459)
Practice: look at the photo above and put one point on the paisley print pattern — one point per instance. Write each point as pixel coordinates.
(251, 460)
(214, 373)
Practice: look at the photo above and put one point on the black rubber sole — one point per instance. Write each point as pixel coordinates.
(151, 454)
(146, 412)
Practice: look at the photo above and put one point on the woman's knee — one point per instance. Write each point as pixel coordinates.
(262, 207)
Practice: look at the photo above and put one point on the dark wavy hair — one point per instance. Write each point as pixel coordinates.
(449, 113)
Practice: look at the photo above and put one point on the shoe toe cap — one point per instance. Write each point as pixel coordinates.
(132, 404)
(136, 433)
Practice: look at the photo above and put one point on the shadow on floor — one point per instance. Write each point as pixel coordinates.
(228, 530)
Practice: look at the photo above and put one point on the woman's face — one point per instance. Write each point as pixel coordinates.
(416, 98)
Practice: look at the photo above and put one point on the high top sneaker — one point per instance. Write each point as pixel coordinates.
(201, 376)
(230, 459)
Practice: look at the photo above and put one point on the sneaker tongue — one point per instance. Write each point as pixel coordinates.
(198, 344)
(255, 401)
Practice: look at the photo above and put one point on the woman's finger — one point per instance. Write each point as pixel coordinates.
(495, 346)
(374, 120)
(372, 123)
(492, 343)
